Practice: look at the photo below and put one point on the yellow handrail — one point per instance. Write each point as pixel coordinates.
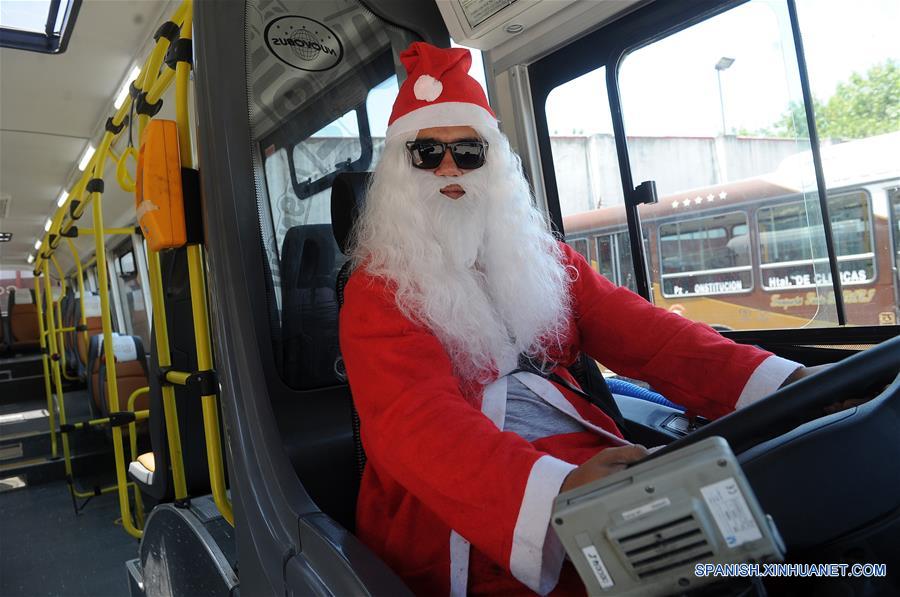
(91, 231)
(56, 380)
(123, 176)
(132, 440)
(108, 348)
(51, 410)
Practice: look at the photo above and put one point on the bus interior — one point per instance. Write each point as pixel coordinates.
(179, 181)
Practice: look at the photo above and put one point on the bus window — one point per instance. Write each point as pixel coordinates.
(614, 258)
(697, 134)
(606, 256)
(583, 145)
(586, 169)
(787, 253)
(297, 171)
(581, 245)
(132, 295)
(705, 256)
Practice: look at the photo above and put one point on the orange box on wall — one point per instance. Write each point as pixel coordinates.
(159, 200)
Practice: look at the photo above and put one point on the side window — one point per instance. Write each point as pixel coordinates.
(298, 178)
(787, 256)
(614, 258)
(624, 264)
(586, 169)
(705, 256)
(606, 256)
(580, 245)
(583, 145)
(131, 293)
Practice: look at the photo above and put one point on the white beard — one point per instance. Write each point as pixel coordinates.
(483, 272)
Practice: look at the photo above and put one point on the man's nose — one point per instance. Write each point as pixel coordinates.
(447, 167)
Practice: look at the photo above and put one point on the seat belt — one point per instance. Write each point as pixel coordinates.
(593, 386)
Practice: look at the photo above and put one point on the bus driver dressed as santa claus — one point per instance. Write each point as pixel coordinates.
(457, 275)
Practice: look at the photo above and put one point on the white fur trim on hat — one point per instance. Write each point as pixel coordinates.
(427, 88)
(442, 114)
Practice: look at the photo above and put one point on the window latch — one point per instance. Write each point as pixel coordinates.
(644, 193)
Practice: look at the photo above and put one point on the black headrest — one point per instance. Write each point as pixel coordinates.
(348, 192)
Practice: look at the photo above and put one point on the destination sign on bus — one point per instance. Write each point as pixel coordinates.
(706, 284)
(808, 280)
(710, 288)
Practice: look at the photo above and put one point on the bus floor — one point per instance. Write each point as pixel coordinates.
(45, 549)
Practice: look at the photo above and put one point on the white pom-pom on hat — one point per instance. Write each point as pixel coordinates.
(427, 88)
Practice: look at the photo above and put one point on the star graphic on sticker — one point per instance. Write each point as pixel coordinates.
(722, 195)
(686, 203)
(698, 200)
(710, 197)
(675, 204)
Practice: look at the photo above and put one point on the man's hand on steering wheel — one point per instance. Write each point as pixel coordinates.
(831, 408)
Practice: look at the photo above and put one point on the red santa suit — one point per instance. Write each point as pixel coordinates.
(452, 502)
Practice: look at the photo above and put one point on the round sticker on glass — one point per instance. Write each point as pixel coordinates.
(303, 43)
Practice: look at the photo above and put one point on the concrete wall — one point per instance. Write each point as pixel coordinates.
(587, 171)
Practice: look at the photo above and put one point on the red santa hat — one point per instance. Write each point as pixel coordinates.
(438, 91)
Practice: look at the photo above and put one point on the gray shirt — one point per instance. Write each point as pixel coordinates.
(529, 416)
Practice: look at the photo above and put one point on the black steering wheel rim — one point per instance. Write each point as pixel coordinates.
(800, 401)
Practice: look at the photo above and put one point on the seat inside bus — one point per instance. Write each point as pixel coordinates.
(130, 367)
(93, 326)
(311, 261)
(68, 310)
(23, 323)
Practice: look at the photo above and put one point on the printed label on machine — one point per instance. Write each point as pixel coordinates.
(730, 511)
(646, 508)
(597, 565)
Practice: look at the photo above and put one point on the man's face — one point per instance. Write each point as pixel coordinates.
(447, 167)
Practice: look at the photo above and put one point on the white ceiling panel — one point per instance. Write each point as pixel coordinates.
(28, 163)
(67, 94)
(50, 105)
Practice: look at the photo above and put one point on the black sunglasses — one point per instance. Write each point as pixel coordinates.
(467, 155)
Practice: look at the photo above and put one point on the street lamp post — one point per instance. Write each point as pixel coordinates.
(721, 147)
(723, 64)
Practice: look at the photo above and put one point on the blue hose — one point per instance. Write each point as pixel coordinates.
(624, 388)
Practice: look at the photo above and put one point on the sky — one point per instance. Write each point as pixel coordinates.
(670, 88)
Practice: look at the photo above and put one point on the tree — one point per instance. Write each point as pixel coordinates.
(863, 106)
(793, 122)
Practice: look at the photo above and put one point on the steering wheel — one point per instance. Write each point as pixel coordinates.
(798, 402)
